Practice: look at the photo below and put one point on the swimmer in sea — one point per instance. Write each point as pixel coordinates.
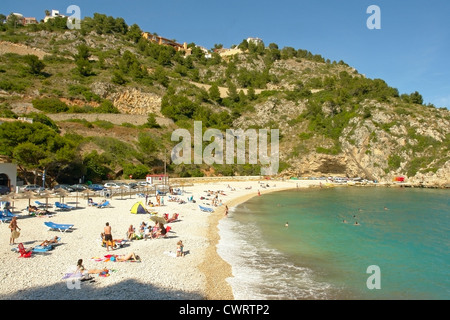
(286, 225)
(356, 223)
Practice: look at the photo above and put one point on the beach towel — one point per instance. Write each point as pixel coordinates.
(170, 254)
(110, 257)
(72, 275)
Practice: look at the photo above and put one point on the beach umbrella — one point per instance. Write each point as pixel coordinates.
(86, 193)
(76, 198)
(46, 194)
(5, 199)
(110, 191)
(28, 195)
(122, 188)
(62, 193)
(13, 196)
(158, 219)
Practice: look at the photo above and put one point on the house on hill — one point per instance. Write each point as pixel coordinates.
(29, 20)
(167, 42)
(53, 14)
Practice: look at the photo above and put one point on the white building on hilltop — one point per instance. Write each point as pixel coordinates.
(254, 40)
(54, 13)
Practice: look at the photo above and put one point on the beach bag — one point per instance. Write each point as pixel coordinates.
(15, 234)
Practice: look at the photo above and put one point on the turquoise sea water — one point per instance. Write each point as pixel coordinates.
(318, 256)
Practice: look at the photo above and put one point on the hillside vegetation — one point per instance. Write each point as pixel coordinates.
(332, 120)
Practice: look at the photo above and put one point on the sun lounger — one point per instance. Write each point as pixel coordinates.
(8, 214)
(57, 226)
(43, 205)
(43, 248)
(103, 205)
(206, 209)
(5, 216)
(63, 206)
(4, 219)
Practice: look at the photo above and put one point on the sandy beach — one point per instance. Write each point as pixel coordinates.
(201, 274)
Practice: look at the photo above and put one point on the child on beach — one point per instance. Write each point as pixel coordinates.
(180, 247)
(14, 233)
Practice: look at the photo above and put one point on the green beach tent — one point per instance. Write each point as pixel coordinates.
(138, 208)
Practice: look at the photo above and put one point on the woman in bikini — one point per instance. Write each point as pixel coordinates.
(13, 226)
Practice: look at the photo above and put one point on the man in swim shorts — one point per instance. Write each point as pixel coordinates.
(108, 236)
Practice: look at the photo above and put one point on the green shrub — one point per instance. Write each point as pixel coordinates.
(103, 124)
(16, 86)
(394, 161)
(84, 122)
(107, 107)
(50, 105)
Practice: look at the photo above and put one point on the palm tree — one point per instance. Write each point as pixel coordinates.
(47, 13)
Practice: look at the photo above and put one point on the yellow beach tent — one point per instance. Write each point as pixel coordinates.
(138, 208)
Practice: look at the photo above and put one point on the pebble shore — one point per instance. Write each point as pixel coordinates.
(200, 275)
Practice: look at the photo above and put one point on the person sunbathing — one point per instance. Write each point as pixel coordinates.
(35, 210)
(85, 273)
(122, 257)
(51, 241)
(91, 203)
(171, 219)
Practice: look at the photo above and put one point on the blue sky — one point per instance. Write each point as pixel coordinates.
(411, 51)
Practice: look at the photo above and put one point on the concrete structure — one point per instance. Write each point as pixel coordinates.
(157, 179)
(8, 174)
(53, 14)
(23, 119)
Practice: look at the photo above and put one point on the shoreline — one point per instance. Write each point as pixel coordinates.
(214, 267)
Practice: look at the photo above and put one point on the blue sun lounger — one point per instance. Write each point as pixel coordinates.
(7, 214)
(4, 219)
(42, 248)
(103, 205)
(57, 226)
(43, 205)
(63, 206)
(206, 209)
